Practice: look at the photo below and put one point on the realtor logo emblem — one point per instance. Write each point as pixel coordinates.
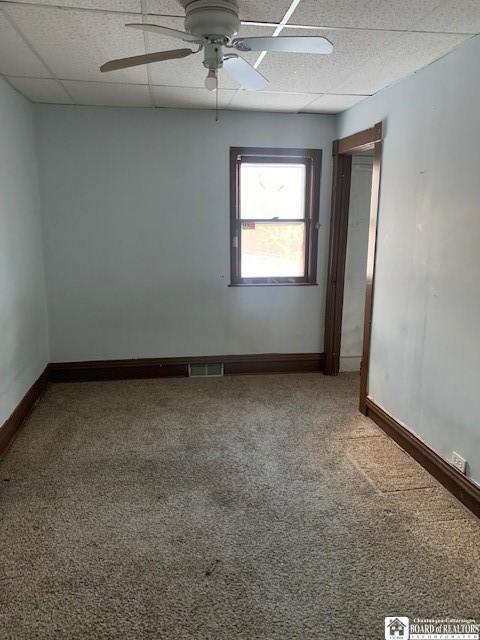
(401, 628)
(397, 628)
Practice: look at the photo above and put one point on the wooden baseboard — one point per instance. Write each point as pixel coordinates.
(11, 426)
(178, 367)
(459, 485)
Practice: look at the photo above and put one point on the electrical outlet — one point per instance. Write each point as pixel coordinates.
(459, 462)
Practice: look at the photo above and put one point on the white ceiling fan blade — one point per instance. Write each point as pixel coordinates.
(286, 44)
(243, 72)
(166, 31)
(134, 61)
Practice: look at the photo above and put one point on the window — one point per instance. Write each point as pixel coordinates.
(274, 215)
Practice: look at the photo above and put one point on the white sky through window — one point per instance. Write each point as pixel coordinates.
(272, 191)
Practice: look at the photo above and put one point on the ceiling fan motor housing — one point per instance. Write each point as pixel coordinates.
(213, 19)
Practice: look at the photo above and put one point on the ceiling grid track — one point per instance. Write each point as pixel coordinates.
(309, 27)
(27, 42)
(319, 89)
(46, 5)
(318, 96)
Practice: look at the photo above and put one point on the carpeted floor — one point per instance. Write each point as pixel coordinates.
(250, 507)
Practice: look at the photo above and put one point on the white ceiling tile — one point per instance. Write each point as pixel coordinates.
(112, 94)
(458, 16)
(268, 101)
(109, 5)
(75, 43)
(332, 103)
(16, 58)
(265, 11)
(187, 98)
(165, 7)
(373, 14)
(322, 73)
(41, 90)
(405, 54)
(189, 72)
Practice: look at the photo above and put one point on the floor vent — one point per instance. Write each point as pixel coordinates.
(206, 370)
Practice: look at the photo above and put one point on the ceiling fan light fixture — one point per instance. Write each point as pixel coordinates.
(211, 24)
(211, 81)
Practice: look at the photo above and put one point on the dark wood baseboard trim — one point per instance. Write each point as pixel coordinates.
(459, 485)
(151, 368)
(11, 426)
(178, 367)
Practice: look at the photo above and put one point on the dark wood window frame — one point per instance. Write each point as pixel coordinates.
(369, 139)
(312, 158)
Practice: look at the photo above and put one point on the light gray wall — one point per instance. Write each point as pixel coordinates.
(425, 359)
(136, 213)
(356, 264)
(23, 317)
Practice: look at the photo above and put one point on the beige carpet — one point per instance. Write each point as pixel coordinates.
(254, 507)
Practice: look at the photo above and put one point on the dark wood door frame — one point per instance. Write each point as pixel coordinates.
(369, 139)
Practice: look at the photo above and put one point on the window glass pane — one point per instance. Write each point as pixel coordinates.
(273, 250)
(272, 190)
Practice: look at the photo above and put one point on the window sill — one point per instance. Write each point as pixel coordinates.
(275, 284)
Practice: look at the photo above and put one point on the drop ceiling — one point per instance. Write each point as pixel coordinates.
(51, 51)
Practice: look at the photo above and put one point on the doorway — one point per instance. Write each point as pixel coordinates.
(345, 253)
(356, 262)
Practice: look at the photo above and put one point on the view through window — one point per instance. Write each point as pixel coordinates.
(272, 211)
(274, 235)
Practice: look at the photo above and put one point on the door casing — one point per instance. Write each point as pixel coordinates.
(343, 149)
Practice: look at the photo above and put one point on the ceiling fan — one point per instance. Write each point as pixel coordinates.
(211, 25)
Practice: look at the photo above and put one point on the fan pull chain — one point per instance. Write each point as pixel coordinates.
(216, 101)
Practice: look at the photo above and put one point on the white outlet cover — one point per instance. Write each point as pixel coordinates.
(459, 462)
